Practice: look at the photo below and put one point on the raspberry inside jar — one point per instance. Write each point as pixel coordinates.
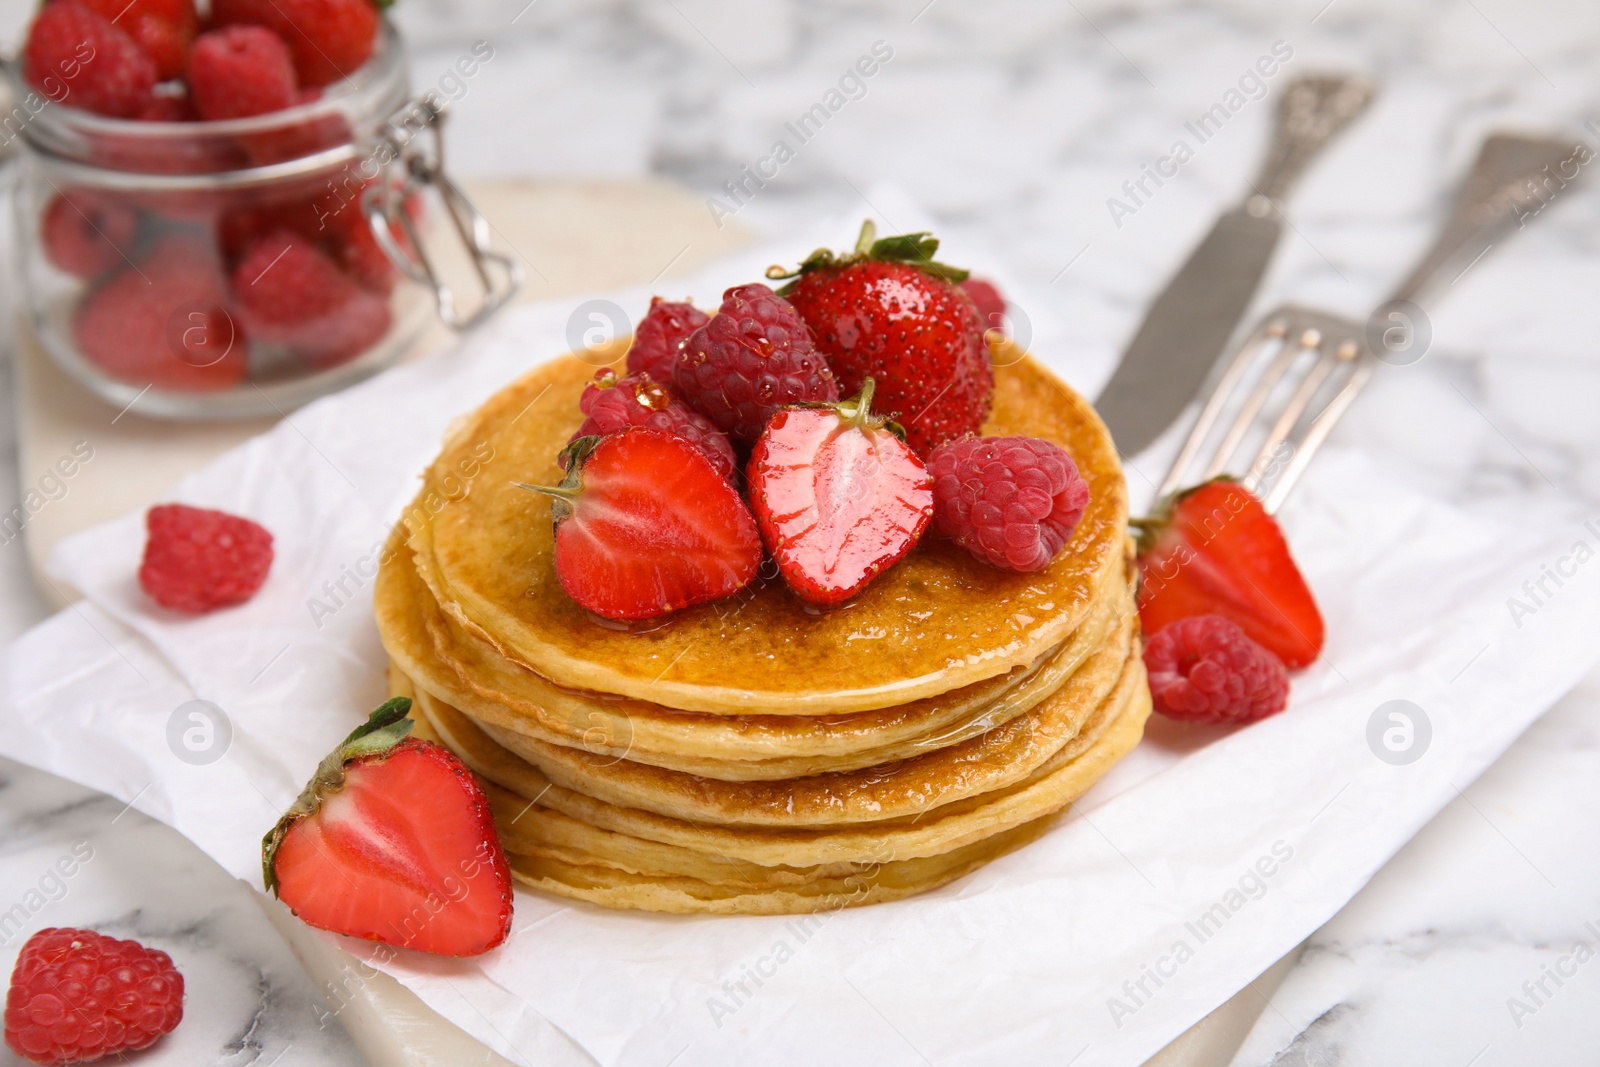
(213, 268)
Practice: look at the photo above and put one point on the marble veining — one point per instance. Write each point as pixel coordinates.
(1014, 123)
(248, 1001)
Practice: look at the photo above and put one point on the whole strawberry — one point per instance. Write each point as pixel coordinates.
(77, 996)
(76, 56)
(752, 358)
(1214, 550)
(1012, 502)
(392, 840)
(838, 496)
(889, 312)
(330, 39)
(644, 525)
(197, 560)
(613, 404)
(660, 336)
(1205, 669)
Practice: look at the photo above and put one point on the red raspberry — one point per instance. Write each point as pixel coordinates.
(752, 358)
(163, 28)
(77, 996)
(197, 560)
(167, 45)
(85, 235)
(991, 305)
(1012, 502)
(364, 259)
(1205, 669)
(240, 71)
(661, 335)
(289, 292)
(614, 404)
(164, 323)
(330, 39)
(166, 108)
(298, 136)
(101, 68)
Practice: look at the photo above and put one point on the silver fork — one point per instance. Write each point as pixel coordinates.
(1295, 357)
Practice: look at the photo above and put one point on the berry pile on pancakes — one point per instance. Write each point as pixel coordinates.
(782, 748)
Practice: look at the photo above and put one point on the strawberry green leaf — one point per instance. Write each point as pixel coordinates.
(386, 727)
(913, 249)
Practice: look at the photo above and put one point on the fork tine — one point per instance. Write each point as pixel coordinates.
(1318, 432)
(1327, 362)
(1307, 340)
(1335, 344)
(1273, 328)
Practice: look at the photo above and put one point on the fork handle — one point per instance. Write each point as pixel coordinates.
(1310, 112)
(1513, 178)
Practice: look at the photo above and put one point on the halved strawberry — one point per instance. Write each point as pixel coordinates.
(392, 841)
(1214, 550)
(887, 311)
(646, 525)
(838, 496)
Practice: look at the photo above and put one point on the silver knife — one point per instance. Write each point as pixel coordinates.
(1188, 325)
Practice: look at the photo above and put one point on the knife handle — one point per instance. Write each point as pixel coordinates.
(1514, 177)
(1310, 112)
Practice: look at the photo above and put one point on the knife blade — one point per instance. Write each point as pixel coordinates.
(1189, 324)
(1185, 330)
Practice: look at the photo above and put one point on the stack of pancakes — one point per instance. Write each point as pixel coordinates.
(757, 754)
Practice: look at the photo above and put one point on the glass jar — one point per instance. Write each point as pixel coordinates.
(232, 269)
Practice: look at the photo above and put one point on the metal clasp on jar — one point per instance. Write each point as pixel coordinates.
(412, 148)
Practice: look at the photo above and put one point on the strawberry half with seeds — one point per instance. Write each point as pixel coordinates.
(392, 841)
(838, 496)
(887, 311)
(1214, 550)
(646, 525)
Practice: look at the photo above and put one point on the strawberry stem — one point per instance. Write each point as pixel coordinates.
(562, 496)
(550, 490)
(856, 411)
(869, 233)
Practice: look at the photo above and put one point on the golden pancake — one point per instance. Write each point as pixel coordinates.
(1105, 739)
(937, 621)
(758, 755)
(476, 679)
(869, 883)
(993, 760)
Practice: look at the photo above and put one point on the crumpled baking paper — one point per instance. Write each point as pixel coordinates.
(1197, 863)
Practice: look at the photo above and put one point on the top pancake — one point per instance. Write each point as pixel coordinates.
(937, 621)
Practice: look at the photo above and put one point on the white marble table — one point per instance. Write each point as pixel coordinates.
(1015, 122)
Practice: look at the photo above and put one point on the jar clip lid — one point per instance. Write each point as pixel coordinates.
(417, 162)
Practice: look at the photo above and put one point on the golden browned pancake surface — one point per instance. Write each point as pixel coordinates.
(937, 621)
(469, 674)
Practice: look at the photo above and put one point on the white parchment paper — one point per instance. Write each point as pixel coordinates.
(1197, 863)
